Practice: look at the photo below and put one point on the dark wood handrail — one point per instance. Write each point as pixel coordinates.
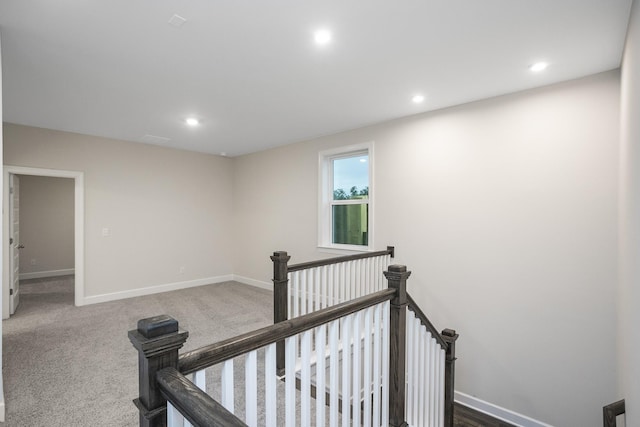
(411, 305)
(328, 261)
(194, 404)
(611, 411)
(219, 352)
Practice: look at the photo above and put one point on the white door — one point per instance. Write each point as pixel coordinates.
(14, 242)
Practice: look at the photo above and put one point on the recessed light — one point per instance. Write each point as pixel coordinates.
(322, 37)
(417, 99)
(192, 121)
(538, 66)
(223, 153)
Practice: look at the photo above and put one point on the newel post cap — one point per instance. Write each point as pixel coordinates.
(157, 334)
(155, 326)
(397, 277)
(280, 256)
(397, 272)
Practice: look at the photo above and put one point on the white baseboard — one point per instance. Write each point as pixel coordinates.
(156, 289)
(2, 410)
(253, 282)
(50, 273)
(498, 412)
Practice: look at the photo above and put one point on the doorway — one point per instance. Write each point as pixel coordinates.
(10, 289)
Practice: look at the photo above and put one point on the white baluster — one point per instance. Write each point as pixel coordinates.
(359, 281)
(270, 391)
(324, 291)
(423, 374)
(432, 384)
(385, 365)
(334, 370)
(417, 369)
(227, 385)
(355, 386)
(348, 281)
(410, 380)
(305, 380)
(251, 388)
(318, 287)
(290, 292)
(330, 285)
(367, 362)
(296, 293)
(421, 371)
(367, 276)
(346, 369)
(174, 418)
(200, 379)
(377, 364)
(321, 340)
(303, 292)
(441, 368)
(290, 380)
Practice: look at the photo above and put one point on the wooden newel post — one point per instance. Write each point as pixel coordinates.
(280, 300)
(397, 278)
(157, 340)
(450, 337)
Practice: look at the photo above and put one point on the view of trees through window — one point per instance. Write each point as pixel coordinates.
(353, 193)
(350, 206)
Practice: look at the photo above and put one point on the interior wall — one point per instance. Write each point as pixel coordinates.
(46, 224)
(2, 248)
(506, 212)
(153, 215)
(629, 298)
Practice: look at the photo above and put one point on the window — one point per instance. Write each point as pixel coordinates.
(346, 195)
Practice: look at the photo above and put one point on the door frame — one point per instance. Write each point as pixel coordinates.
(78, 178)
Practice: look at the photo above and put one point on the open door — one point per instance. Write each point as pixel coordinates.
(14, 242)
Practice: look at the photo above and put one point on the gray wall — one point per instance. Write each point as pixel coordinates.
(46, 224)
(165, 208)
(506, 212)
(629, 298)
(2, 248)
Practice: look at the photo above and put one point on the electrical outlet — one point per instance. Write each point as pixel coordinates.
(181, 270)
(33, 261)
(106, 232)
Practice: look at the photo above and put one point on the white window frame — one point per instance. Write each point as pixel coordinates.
(325, 198)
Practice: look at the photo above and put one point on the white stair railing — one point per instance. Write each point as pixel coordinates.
(425, 376)
(372, 361)
(312, 288)
(348, 387)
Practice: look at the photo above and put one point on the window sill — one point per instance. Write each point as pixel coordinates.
(343, 250)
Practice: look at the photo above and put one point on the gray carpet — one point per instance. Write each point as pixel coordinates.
(74, 366)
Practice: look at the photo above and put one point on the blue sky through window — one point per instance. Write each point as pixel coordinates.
(351, 171)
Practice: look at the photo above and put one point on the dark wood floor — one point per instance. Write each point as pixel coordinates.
(467, 417)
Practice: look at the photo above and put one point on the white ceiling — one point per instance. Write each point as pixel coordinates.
(253, 75)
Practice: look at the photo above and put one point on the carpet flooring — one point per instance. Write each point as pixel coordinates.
(74, 366)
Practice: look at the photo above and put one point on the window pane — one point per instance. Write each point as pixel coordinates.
(351, 224)
(351, 177)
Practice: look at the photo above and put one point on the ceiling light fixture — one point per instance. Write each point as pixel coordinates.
(538, 66)
(418, 99)
(322, 37)
(192, 121)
